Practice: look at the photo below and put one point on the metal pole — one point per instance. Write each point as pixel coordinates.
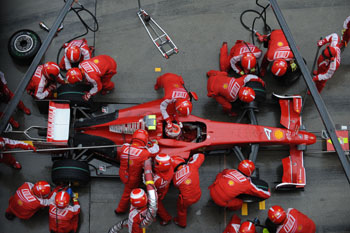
(10, 108)
(327, 121)
(139, 4)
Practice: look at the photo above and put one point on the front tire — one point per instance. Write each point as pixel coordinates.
(70, 171)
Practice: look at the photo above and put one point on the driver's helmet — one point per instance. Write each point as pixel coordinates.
(162, 162)
(74, 75)
(246, 94)
(276, 214)
(41, 189)
(51, 70)
(248, 62)
(279, 67)
(246, 167)
(62, 199)
(140, 136)
(138, 198)
(247, 227)
(173, 132)
(73, 54)
(183, 107)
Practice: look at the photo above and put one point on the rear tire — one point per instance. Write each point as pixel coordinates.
(70, 171)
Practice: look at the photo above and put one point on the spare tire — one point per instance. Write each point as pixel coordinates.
(70, 171)
(74, 93)
(23, 45)
(259, 89)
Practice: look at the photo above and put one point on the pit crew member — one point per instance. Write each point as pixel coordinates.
(63, 217)
(97, 71)
(132, 158)
(328, 62)
(225, 89)
(75, 52)
(6, 143)
(28, 199)
(143, 209)
(346, 33)
(281, 56)
(231, 182)
(186, 179)
(242, 58)
(163, 174)
(176, 101)
(6, 95)
(44, 81)
(291, 222)
(235, 226)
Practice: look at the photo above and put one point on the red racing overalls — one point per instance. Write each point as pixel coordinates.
(296, 222)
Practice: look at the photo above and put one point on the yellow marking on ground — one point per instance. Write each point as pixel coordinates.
(157, 69)
(262, 205)
(244, 209)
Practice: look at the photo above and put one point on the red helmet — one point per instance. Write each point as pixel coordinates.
(248, 61)
(41, 189)
(329, 52)
(138, 198)
(279, 67)
(51, 70)
(276, 214)
(74, 75)
(176, 160)
(183, 107)
(73, 54)
(162, 162)
(62, 199)
(247, 167)
(247, 227)
(246, 94)
(140, 135)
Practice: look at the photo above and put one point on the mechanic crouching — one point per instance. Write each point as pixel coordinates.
(28, 199)
(176, 101)
(43, 83)
(63, 217)
(231, 182)
(226, 90)
(291, 222)
(132, 158)
(186, 179)
(97, 72)
(143, 209)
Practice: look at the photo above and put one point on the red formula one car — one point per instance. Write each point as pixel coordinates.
(96, 130)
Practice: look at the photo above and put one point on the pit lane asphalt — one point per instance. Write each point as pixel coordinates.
(198, 28)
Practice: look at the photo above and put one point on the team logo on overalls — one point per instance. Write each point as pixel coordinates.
(225, 86)
(20, 202)
(188, 181)
(96, 61)
(231, 183)
(280, 43)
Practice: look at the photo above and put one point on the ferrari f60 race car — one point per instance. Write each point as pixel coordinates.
(93, 131)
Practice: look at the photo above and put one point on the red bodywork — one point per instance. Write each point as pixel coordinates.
(215, 135)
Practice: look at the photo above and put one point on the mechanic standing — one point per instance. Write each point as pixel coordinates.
(235, 226)
(97, 71)
(186, 179)
(328, 62)
(291, 222)
(28, 199)
(280, 54)
(231, 182)
(242, 59)
(44, 81)
(132, 158)
(75, 52)
(345, 33)
(63, 217)
(6, 143)
(143, 209)
(225, 89)
(176, 101)
(163, 174)
(6, 95)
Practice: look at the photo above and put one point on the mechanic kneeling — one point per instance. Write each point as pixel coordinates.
(63, 217)
(176, 101)
(231, 182)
